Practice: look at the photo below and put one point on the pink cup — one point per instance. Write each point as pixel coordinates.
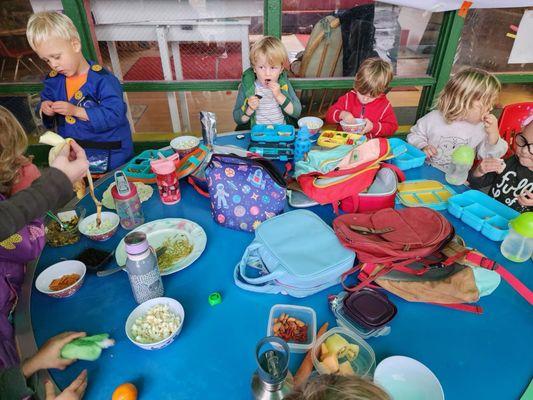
(167, 178)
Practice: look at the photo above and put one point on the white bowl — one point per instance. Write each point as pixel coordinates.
(103, 234)
(405, 378)
(357, 127)
(313, 124)
(143, 308)
(42, 283)
(184, 145)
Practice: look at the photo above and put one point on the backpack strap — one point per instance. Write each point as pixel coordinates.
(481, 261)
(196, 187)
(472, 308)
(399, 173)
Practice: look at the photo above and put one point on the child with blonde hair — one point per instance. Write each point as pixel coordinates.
(338, 387)
(265, 94)
(461, 117)
(16, 173)
(367, 100)
(81, 99)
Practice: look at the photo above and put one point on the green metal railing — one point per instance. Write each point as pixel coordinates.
(438, 71)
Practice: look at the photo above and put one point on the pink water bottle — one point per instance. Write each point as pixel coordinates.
(127, 202)
(167, 179)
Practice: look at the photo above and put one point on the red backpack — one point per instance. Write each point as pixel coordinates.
(413, 252)
(351, 175)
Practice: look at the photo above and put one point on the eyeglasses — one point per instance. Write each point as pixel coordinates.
(521, 141)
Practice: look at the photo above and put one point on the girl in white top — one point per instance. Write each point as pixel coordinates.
(462, 117)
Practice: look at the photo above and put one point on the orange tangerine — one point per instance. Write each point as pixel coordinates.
(126, 391)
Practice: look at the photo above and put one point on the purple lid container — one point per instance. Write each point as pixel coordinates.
(136, 243)
(369, 308)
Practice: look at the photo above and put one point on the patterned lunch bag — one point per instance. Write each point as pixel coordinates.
(244, 191)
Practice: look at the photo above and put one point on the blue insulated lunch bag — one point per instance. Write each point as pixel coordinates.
(295, 253)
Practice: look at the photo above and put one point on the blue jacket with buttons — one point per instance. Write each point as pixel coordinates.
(107, 133)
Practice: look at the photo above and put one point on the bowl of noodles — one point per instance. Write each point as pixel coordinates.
(177, 242)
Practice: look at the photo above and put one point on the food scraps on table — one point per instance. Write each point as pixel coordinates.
(290, 329)
(63, 282)
(158, 323)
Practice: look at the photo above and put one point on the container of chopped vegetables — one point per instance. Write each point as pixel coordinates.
(57, 236)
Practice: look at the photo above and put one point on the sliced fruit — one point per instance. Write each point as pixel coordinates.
(346, 369)
(336, 344)
(323, 351)
(331, 363)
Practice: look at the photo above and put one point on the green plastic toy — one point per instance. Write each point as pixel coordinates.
(463, 155)
(215, 298)
(87, 348)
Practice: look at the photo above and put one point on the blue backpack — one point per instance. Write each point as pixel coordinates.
(295, 253)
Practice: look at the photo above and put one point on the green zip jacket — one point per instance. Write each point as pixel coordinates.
(14, 386)
(247, 89)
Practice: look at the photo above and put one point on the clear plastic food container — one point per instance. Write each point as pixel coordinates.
(362, 365)
(305, 314)
(343, 319)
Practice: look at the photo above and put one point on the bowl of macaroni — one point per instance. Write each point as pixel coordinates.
(155, 323)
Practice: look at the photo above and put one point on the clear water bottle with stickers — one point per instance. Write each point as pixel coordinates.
(142, 268)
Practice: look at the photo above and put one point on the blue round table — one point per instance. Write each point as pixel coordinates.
(487, 356)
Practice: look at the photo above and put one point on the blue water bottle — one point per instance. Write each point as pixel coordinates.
(302, 144)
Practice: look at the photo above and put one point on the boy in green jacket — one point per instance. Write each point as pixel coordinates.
(265, 93)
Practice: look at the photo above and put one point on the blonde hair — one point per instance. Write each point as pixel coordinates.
(338, 387)
(373, 77)
(273, 50)
(463, 89)
(44, 25)
(13, 145)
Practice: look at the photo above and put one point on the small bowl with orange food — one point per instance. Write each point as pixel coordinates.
(62, 279)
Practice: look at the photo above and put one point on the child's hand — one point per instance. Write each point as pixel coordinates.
(347, 117)
(72, 161)
(74, 391)
(46, 108)
(49, 355)
(253, 102)
(64, 108)
(274, 86)
(489, 165)
(526, 199)
(490, 122)
(430, 151)
(368, 126)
